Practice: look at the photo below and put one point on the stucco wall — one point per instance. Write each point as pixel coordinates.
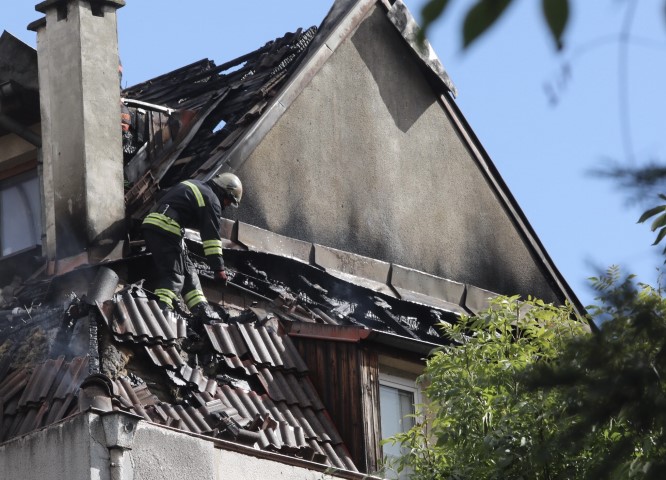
(235, 466)
(161, 454)
(78, 449)
(69, 450)
(366, 160)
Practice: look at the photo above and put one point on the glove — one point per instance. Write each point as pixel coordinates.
(221, 276)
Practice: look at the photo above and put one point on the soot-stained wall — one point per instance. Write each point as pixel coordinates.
(367, 160)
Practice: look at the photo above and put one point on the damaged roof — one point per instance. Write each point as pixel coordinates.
(221, 112)
(242, 380)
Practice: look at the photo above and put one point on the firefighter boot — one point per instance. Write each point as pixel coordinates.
(205, 313)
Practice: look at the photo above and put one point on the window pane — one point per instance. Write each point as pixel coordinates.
(395, 405)
(20, 220)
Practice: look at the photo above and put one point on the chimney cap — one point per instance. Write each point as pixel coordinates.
(47, 4)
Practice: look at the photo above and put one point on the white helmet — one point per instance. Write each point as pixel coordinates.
(231, 185)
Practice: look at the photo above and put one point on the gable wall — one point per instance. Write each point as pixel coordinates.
(366, 160)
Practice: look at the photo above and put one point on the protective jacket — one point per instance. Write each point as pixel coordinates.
(191, 204)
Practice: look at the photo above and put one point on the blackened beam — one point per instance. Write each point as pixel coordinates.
(20, 130)
(248, 291)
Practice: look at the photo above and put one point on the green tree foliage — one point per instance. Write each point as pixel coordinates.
(483, 14)
(484, 422)
(524, 391)
(659, 223)
(612, 384)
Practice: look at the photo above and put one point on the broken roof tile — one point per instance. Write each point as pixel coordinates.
(139, 319)
(14, 383)
(226, 339)
(255, 345)
(236, 92)
(259, 384)
(30, 398)
(311, 431)
(233, 399)
(270, 347)
(128, 390)
(165, 357)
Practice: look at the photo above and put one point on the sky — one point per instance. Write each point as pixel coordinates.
(546, 119)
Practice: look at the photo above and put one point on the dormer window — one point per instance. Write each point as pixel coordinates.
(20, 213)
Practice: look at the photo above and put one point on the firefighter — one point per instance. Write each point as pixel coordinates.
(196, 205)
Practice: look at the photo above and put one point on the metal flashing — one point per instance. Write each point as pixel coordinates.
(477, 299)
(353, 268)
(414, 285)
(403, 343)
(266, 241)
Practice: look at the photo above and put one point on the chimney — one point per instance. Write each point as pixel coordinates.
(82, 181)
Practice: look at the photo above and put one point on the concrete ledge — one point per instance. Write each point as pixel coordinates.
(422, 287)
(383, 277)
(477, 299)
(356, 269)
(345, 262)
(259, 239)
(229, 229)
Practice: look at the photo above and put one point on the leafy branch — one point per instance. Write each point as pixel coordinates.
(485, 13)
(659, 223)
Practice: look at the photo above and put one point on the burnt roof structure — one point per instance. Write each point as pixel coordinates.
(221, 112)
(242, 380)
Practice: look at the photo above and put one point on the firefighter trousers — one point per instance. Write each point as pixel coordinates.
(174, 269)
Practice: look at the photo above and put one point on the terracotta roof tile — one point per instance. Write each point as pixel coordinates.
(134, 317)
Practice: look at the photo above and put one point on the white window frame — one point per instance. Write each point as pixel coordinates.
(403, 383)
(406, 383)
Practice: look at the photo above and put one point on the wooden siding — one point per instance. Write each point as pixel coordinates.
(345, 376)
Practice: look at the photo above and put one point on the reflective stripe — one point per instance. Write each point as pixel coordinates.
(212, 247)
(166, 292)
(191, 294)
(197, 193)
(165, 295)
(212, 243)
(163, 222)
(193, 298)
